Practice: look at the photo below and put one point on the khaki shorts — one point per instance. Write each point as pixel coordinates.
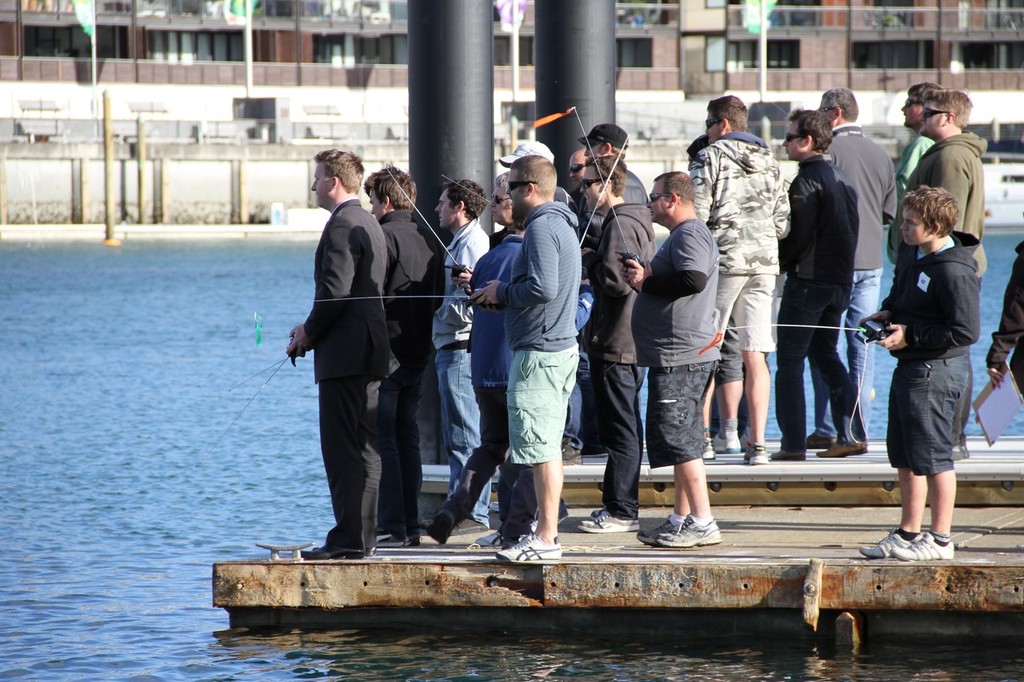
(744, 302)
(539, 385)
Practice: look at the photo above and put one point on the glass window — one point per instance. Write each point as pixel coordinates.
(782, 54)
(634, 53)
(714, 53)
(893, 54)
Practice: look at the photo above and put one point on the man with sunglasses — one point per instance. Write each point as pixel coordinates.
(818, 257)
(870, 169)
(911, 155)
(954, 164)
(540, 314)
(740, 195)
(614, 374)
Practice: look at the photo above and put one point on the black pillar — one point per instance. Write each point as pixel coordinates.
(574, 66)
(451, 96)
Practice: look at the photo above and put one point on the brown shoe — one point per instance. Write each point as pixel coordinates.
(786, 456)
(816, 442)
(845, 450)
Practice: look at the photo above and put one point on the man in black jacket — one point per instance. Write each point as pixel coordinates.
(608, 341)
(346, 330)
(412, 290)
(818, 258)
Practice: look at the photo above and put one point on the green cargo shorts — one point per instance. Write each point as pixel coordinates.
(539, 385)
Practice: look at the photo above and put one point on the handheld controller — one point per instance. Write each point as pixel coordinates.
(873, 331)
(628, 256)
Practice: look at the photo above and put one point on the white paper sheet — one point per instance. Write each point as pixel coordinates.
(996, 407)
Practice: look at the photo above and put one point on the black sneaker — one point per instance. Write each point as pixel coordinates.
(392, 541)
(441, 527)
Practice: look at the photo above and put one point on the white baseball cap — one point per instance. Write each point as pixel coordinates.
(527, 149)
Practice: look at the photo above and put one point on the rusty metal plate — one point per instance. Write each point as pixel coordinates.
(334, 585)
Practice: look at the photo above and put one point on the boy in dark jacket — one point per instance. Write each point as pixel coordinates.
(931, 318)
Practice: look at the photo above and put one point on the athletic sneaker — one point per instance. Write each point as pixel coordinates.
(687, 535)
(885, 548)
(924, 549)
(602, 521)
(650, 537)
(755, 455)
(725, 444)
(709, 450)
(530, 549)
(492, 540)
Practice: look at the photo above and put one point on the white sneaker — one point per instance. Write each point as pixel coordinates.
(885, 548)
(602, 521)
(727, 444)
(709, 450)
(492, 540)
(924, 549)
(755, 455)
(530, 549)
(687, 535)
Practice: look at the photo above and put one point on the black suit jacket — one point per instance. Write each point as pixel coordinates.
(349, 336)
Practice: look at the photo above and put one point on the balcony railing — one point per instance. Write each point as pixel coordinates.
(962, 21)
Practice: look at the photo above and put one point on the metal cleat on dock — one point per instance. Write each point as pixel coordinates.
(293, 552)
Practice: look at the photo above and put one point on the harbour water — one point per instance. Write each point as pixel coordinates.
(126, 471)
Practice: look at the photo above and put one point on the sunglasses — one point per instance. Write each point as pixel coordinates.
(516, 184)
(792, 136)
(585, 183)
(576, 167)
(654, 196)
(911, 102)
(500, 200)
(928, 113)
(709, 123)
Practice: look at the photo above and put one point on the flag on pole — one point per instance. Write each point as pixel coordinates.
(234, 11)
(85, 15)
(551, 118)
(511, 14)
(752, 14)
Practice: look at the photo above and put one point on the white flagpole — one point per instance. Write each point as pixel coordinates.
(248, 47)
(95, 89)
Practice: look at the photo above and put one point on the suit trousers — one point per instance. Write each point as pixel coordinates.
(348, 442)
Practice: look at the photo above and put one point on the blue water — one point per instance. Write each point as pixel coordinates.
(123, 479)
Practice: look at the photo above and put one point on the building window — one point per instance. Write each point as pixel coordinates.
(634, 53)
(350, 50)
(71, 42)
(714, 54)
(992, 55)
(503, 50)
(893, 54)
(782, 54)
(188, 47)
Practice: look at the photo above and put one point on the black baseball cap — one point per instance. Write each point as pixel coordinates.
(605, 132)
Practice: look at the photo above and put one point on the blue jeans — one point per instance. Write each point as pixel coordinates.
(809, 316)
(860, 359)
(460, 421)
(401, 467)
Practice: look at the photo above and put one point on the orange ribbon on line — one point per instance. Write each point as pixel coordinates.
(544, 120)
(714, 342)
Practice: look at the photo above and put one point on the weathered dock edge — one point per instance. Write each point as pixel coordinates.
(777, 598)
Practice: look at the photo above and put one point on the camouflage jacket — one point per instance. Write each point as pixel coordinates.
(741, 195)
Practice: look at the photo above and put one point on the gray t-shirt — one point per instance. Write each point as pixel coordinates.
(672, 331)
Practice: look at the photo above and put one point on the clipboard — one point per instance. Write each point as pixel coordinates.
(996, 407)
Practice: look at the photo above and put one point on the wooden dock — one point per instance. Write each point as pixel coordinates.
(784, 568)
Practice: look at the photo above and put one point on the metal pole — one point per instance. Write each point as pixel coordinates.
(513, 120)
(95, 89)
(140, 154)
(248, 47)
(451, 95)
(762, 49)
(109, 170)
(573, 69)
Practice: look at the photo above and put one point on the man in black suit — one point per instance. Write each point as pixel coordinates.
(347, 331)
